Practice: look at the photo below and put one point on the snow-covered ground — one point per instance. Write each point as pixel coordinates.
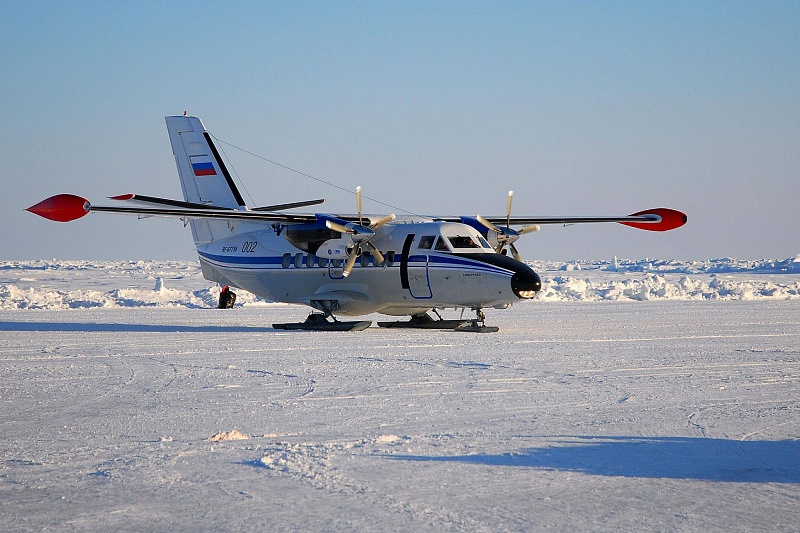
(634, 396)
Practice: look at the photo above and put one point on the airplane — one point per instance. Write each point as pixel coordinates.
(344, 264)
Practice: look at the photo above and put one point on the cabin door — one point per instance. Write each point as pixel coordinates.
(414, 273)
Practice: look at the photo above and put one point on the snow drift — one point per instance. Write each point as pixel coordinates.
(86, 284)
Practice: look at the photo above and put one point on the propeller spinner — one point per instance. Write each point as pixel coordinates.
(507, 236)
(360, 234)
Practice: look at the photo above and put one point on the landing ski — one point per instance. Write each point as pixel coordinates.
(425, 321)
(317, 322)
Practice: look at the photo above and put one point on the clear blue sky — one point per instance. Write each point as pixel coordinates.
(582, 108)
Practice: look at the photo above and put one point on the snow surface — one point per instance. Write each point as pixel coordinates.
(634, 396)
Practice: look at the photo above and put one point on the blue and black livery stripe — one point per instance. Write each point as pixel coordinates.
(221, 163)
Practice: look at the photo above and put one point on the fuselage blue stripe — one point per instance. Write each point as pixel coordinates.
(242, 260)
(444, 262)
(441, 260)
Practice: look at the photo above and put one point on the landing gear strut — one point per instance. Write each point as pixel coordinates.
(478, 325)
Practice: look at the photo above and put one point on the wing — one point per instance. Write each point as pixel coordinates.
(658, 219)
(68, 207)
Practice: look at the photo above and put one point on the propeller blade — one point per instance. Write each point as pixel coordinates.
(358, 204)
(508, 209)
(375, 252)
(380, 222)
(351, 261)
(529, 229)
(515, 253)
(331, 225)
(488, 224)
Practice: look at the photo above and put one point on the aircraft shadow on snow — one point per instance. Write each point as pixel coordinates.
(135, 328)
(703, 459)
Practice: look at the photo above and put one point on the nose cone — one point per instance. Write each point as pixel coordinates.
(526, 283)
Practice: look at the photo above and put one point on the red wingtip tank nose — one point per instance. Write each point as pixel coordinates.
(61, 207)
(670, 219)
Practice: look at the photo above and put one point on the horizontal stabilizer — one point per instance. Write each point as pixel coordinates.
(141, 199)
(290, 205)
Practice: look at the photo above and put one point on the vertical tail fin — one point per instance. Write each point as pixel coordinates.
(204, 176)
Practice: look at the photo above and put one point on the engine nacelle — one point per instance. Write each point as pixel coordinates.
(335, 248)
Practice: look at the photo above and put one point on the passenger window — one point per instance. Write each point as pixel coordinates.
(441, 245)
(426, 242)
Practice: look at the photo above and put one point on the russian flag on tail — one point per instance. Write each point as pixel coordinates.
(204, 169)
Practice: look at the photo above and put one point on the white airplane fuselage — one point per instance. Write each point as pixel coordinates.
(413, 278)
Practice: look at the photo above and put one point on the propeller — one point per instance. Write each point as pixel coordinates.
(507, 236)
(360, 234)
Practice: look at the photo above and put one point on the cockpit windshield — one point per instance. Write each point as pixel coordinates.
(455, 238)
(463, 241)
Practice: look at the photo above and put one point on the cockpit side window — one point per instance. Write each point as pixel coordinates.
(426, 242)
(483, 242)
(441, 245)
